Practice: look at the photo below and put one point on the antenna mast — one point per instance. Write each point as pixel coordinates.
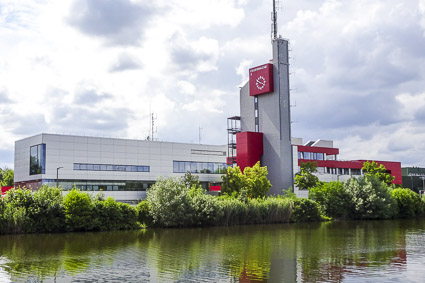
(153, 130)
(274, 19)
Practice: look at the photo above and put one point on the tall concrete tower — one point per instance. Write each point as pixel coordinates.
(266, 120)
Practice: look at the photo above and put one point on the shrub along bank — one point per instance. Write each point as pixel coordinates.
(45, 210)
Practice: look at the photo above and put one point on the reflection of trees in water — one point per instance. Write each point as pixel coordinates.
(47, 255)
(253, 253)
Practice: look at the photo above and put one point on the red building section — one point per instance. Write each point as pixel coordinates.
(249, 148)
(394, 168)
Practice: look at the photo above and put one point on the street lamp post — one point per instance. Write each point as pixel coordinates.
(57, 176)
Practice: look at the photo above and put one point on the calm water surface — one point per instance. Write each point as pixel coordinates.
(369, 251)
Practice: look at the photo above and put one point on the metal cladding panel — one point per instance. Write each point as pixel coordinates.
(249, 148)
(261, 79)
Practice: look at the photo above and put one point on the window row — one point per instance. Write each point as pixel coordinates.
(38, 159)
(199, 167)
(311, 155)
(110, 167)
(343, 171)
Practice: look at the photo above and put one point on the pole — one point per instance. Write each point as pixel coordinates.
(57, 176)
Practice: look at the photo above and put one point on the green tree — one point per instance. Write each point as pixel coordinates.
(233, 181)
(191, 180)
(305, 179)
(409, 203)
(256, 184)
(6, 177)
(252, 183)
(372, 169)
(332, 198)
(370, 198)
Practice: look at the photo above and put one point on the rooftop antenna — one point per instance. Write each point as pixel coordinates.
(200, 129)
(274, 20)
(153, 129)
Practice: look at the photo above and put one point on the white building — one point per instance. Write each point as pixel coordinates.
(121, 168)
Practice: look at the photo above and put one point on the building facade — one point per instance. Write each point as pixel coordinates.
(121, 168)
(329, 167)
(413, 178)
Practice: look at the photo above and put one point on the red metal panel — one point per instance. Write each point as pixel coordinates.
(394, 168)
(5, 189)
(318, 149)
(249, 148)
(215, 188)
(261, 79)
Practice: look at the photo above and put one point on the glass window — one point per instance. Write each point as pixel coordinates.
(175, 166)
(90, 167)
(193, 168)
(115, 188)
(306, 155)
(320, 156)
(83, 166)
(109, 188)
(103, 167)
(96, 167)
(110, 167)
(300, 155)
(76, 166)
(37, 159)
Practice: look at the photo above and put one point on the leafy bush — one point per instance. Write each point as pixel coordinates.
(253, 183)
(305, 210)
(78, 210)
(370, 198)
(334, 201)
(170, 203)
(144, 214)
(408, 202)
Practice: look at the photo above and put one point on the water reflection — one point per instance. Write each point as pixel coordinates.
(314, 252)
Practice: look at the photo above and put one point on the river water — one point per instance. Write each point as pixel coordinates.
(352, 251)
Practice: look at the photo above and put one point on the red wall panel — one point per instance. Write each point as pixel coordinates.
(249, 148)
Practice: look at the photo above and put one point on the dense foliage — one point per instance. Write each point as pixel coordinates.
(408, 202)
(252, 183)
(6, 177)
(380, 172)
(305, 210)
(45, 210)
(305, 179)
(333, 199)
(370, 197)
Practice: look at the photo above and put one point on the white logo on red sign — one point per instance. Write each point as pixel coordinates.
(260, 82)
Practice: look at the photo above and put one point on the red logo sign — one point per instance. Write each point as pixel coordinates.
(261, 79)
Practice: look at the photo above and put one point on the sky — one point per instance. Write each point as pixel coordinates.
(100, 67)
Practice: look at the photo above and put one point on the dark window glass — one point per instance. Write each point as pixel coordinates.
(96, 167)
(110, 167)
(38, 159)
(90, 167)
(103, 167)
(76, 166)
(83, 166)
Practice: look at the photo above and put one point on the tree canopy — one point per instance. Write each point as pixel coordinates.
(380, 172)
(6, 177)
(305, 179)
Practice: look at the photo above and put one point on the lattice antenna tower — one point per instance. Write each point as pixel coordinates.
(274, 19)
(153, 130)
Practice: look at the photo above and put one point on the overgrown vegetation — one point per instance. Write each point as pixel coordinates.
(305, 179)
(45, 210)
(6, 177)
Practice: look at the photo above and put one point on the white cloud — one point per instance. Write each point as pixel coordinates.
(358, 69)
